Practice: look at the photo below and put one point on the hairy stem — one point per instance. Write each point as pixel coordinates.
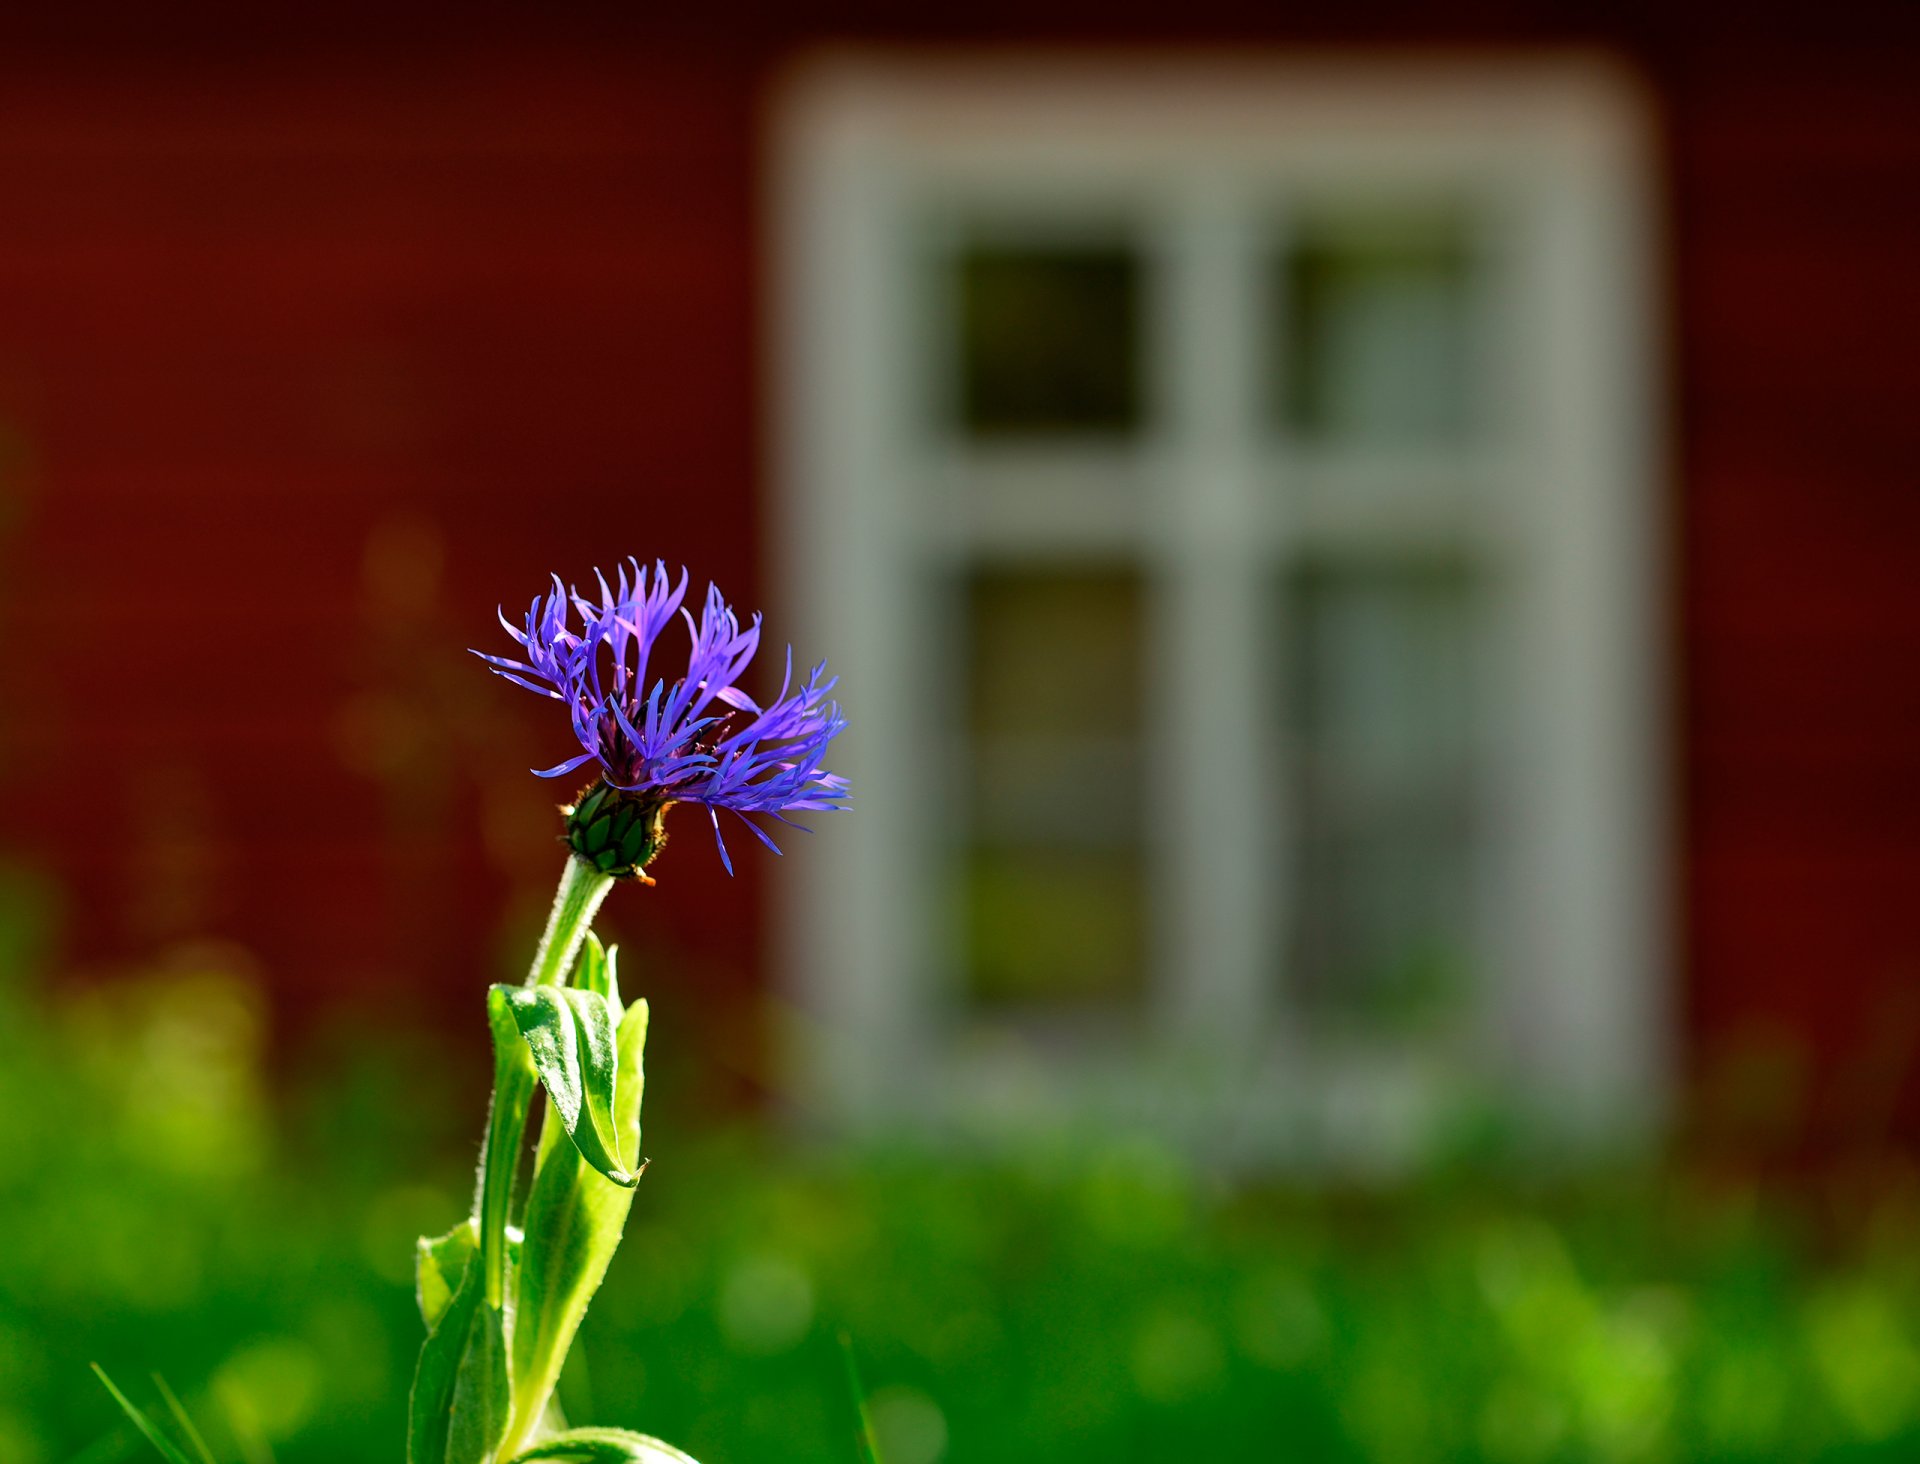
(513, 1081)
(575, 903)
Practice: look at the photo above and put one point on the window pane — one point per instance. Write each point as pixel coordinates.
(1052, 926)
(1048, 339)
(1378, 325)
(1054, 653)
(1386, 698)
(1051, 881)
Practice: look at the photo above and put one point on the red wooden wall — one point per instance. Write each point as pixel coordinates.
(303, 368)
(1796, 205)
(309, 353)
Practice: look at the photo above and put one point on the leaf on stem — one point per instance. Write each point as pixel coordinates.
(439, 1265)
(574, 1036)
(598, 969)
(482, 1392)
(462, 1388)
(574, 1221)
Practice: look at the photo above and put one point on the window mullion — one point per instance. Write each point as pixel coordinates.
(1214, 816)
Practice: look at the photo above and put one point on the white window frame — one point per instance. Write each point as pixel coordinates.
(1575, 1027)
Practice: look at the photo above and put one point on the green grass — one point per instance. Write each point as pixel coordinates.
(160, 1209)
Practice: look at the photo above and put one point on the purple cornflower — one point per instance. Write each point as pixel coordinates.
(691, 737)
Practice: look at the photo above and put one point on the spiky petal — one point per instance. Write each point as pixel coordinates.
(667, 734)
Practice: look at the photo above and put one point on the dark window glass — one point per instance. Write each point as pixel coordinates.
(1054, 653)
(1051, 881)
(1049, 927)
(1049, 340)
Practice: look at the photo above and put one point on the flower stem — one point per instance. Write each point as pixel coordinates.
(513, 1080)
(582, 888)
(575, 903)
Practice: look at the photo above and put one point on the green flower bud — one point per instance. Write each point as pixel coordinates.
(617, 832)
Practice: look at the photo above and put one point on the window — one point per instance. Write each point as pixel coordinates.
(1227, 492)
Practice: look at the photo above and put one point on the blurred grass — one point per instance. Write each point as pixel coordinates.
(162, 1206)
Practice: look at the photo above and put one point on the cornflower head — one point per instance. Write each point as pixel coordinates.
(664, 735)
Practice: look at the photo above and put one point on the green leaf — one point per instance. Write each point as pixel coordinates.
(171, 1452)
(573, 1034)
(462, 1394)
(439, 1264)
(605, 1446)
(573, 1225)
(482, 1392)
(598, 970)
(437, 1374)
(462, 1385)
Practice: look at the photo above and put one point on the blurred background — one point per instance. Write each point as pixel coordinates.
(1375, 571)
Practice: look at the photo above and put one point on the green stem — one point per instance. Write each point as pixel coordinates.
(513, 1082)
(575, 903)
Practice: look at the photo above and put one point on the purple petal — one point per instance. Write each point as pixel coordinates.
(561, 769)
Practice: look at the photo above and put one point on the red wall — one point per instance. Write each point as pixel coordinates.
(1796, 196)
(282, 330)
(303, 367)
